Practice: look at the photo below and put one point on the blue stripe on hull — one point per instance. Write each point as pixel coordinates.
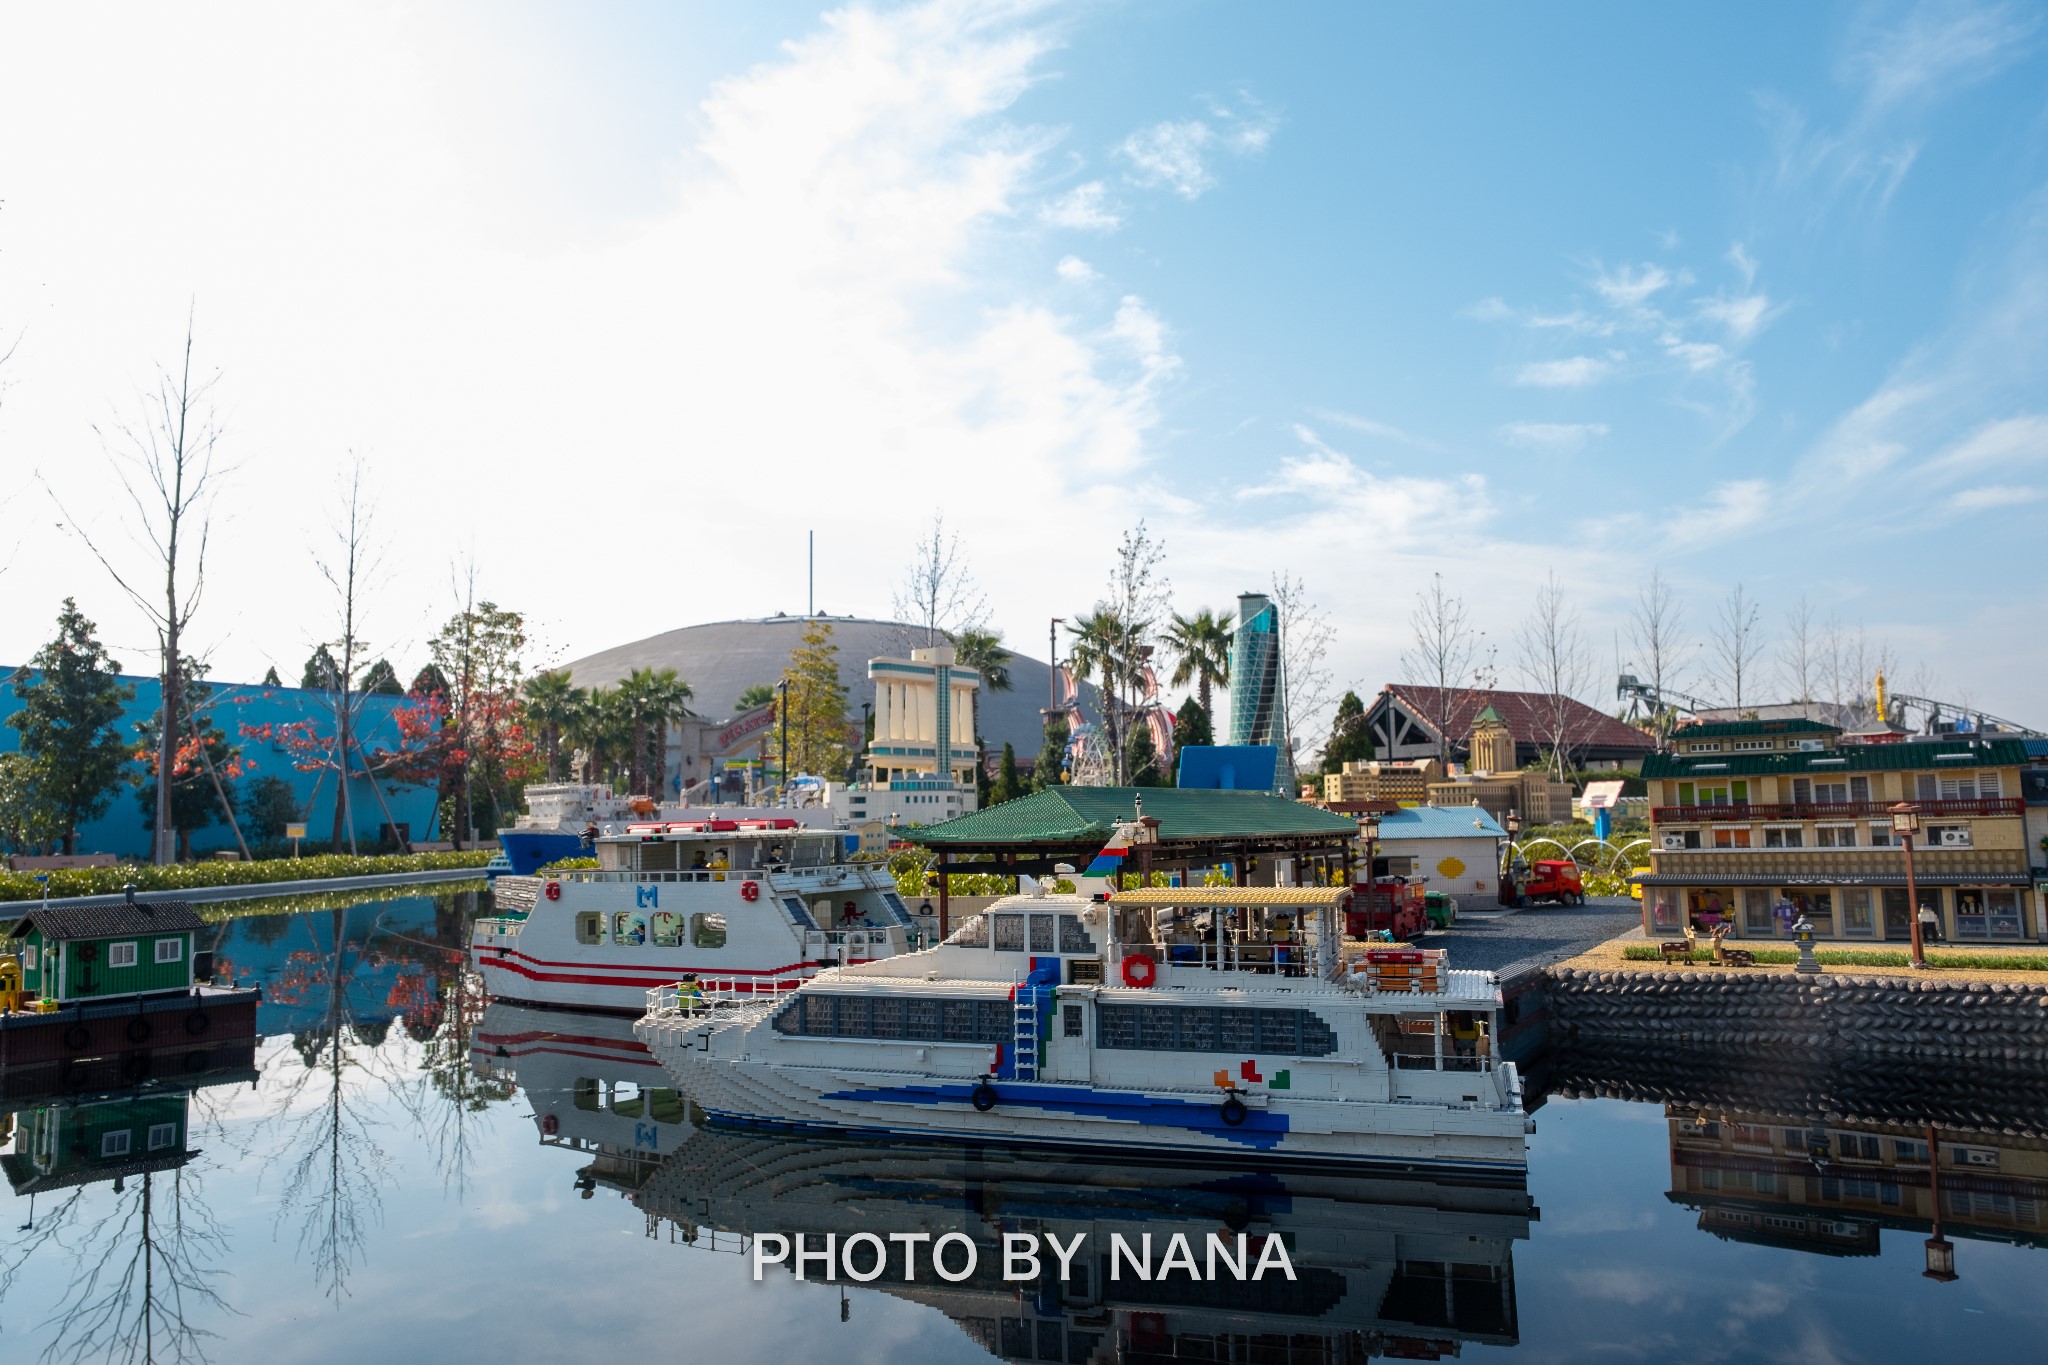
(1134, 1150)
(1261, 1130)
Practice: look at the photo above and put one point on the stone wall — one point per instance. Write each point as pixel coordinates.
(1883, 1015)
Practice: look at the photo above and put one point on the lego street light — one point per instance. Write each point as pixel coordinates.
(1369, 830)
(1906, 824)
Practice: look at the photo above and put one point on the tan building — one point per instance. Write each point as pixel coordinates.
(1761, 822)
(1406, 782)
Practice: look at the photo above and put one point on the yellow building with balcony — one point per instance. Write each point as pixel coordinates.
(1761, 822)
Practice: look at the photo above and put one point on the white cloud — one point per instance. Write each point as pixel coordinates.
(1739, 257)
(1490, 310)
(1074, 270)
(1743, 316)
(1990, 496)
(1631, 287)
(2014, 439)
(1731, 509)
(1085, 206)
(1553, 435)
(1575, 373)
(1696, 355)
(1937, 50)
(1368, 426)
(1176, 154)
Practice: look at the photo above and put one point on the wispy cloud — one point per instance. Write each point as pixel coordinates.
(1990, 496)
(1936, 50)
(1560, 436)
(1574, 373)
(1178, 154)
(2013, 440)
(1631, 286)
(1368, 426)
(1074, 270)
(1731, 509)
(1085, 206)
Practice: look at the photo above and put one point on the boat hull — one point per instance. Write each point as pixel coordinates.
(530, 850)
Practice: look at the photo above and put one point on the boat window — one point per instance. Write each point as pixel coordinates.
(162, 1135)
(1008, 931)
(895, 1017)
(120, 955)
(666, 1106)
(789, 1019)
(668, 929)
(588, 1094)
(1042, 933)
(628, 1100)
(707, 931)
(972, 934)
(1073, 938)
(1202, 1028)
(590, 927)
(628, 928)
(1071, 1017)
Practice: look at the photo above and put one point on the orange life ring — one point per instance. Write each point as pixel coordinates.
(554, 891)
(550, 1125)
(1139, 970)
(750, 891)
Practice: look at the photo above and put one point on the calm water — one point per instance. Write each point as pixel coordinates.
(403, 1172)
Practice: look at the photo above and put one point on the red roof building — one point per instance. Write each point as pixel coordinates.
(1404, 722)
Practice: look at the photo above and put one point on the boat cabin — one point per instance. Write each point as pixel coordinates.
(716, 847)
(107, 952)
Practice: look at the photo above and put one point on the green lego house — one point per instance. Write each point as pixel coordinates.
(83, 955)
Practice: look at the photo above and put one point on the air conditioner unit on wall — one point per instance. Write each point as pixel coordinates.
(1955, 838)
(1674, 843)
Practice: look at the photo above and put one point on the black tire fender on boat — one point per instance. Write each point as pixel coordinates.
(139, 1030)
(198, 1022)
(983, 1098)
(1234, 1112)
(77, 1036)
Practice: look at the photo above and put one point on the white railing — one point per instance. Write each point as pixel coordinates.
(1265, 959)
(708, 993)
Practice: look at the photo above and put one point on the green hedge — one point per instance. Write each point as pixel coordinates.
(101, 881)
(1861, 957)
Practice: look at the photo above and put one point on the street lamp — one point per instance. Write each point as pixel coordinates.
(1369, 830)
(1906, 824)
(1941, 1253)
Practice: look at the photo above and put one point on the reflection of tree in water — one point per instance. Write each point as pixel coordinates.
(331, 1187)
(139, 1271)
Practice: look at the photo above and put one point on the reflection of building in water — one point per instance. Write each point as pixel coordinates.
(593, 1087)
(1786, 1181)
(1384, 1266)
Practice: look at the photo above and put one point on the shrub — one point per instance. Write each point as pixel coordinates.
(104, 881)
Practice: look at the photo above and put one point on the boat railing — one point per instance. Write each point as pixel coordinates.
(705, 993)
(1295, 959)
(846, 938)
(824, 876)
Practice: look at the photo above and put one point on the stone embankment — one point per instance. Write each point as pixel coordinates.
(1881, 1015)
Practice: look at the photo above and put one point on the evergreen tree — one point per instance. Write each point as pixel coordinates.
(1350, 737)
(268, 805)
(382, 678)
(270, 678)
(321, 673)
(1008, 785)
(1191, 728)
(817, 704)
(1050, 771)
(1142, 767)
(71, 697)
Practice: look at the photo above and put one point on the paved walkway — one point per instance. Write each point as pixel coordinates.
(1490, 938)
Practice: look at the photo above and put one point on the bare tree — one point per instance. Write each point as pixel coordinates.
(1306, 689)
(1656, 627)
(1446, 655)
(164, 459)
(1799, 653)
(1555, 661)
(1114, 642)
(939, 595)
(348, 565)
(1737, 643)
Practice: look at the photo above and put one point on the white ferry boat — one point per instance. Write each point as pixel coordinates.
(762, 904)
(1221, 1021)
(562, 819)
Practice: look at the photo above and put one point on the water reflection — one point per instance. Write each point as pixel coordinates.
(145, 1262)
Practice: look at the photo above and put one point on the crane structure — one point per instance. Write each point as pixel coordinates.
(1964, 719)
(1639, 694)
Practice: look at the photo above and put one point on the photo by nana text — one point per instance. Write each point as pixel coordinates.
(867, 1256)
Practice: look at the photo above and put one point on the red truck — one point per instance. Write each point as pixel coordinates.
(1547, 879)
(1389, 904)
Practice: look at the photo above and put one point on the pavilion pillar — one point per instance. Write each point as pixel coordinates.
(944, 890)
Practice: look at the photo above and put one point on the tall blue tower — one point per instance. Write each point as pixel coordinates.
(1258, 702)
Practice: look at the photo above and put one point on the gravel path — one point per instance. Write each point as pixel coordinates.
(1493, 939)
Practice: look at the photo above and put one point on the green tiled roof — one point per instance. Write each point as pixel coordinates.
(1081, 814)
(1852, 758)
(1726, 729)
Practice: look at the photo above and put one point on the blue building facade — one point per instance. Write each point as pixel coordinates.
(125, 830)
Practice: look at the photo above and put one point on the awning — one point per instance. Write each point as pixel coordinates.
(1835, 879)
(1233, 895)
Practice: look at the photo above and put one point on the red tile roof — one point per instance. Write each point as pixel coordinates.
(1527, 716)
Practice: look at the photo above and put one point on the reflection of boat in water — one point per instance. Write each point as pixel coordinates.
(593, 1087)
(1220, 1021)
(1391, 1266)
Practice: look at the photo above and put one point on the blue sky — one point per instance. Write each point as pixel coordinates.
(1357, 294)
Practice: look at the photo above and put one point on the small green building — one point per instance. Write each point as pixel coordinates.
(66, 1144)
(72, 956)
